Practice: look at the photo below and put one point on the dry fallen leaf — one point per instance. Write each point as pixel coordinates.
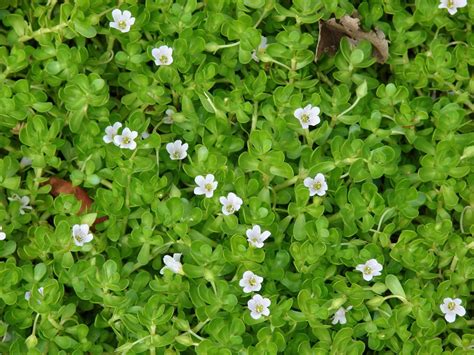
(60, 186)
(331, 32)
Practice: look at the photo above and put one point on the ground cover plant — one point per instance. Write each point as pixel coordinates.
(236, 177)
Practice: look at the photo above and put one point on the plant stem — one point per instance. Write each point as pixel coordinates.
(43, 31)
(350, 108)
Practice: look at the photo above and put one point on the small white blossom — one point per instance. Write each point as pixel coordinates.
(452, 5)
(122, 20)
(126, 140)
(308, 116)
(25, 161)
(163, 55)
(250, 282)
(261, 48)
(258, 306)
(173, 264)
(2, 234)
(28, 294)
(340, 315)
(452, 308)
(177, 150)
(168, 119)
(81, 235)
(145, 135)
(316, 186)
(111, 132)
(370, 269)
(230, 204)
(24, 201)
(255, 237)
(206, 185)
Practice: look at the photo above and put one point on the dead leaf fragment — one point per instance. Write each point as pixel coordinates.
(331, 32)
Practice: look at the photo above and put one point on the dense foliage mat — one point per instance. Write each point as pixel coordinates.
(248, 176)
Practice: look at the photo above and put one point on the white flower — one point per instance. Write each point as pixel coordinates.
(258, 306)
(126, 140)
(81, 235)
(2, 234)
(452, 5)
(230, 204)
(111, 132)
(145, 135)
(173, 264)
(370, 269)
(24, 201)
(28, 294)
(122, 20)
(25, 161)
(206, 185)
(340, 315)
(308, 116)
(316, 186)
(163, 55)
(261, 47)
(177, 150)
(452, 308)
(255, 236)
(168, 119)
(250, 282)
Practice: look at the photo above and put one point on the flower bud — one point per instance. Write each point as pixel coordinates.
(31, 341)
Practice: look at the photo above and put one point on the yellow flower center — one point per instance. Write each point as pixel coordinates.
(229, 208)
(122, 24)
(252, 281)
(367, 270)
(164, 59)
(208, 187)
(317, 185)
(126, 140)
(79, 237)
(259, 308)
(176, 155)
(450, 3)
(304, 118)
(451, 306)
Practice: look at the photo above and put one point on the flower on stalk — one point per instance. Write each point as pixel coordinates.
(24, 202)
(250, 282)
(81, 235)
(452, 308)
(258, 306)
(452, 5)
(168, 119)
(230, 204)
(126, 140)
(2, 234)
(163, 55)
(173, 264)
(25, 161)
(111, 132)
(206, 185)
(177, 150)
(261, 48)
(370, 269)
(340, 315)
(308, 116)
(28, 294)
(122, 20)
(256, 237)
(316, 186)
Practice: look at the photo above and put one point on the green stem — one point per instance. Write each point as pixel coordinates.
(350, 108)
(403, 299)
(287, 183)
(107, 183)
(43, 31)
(254, 117)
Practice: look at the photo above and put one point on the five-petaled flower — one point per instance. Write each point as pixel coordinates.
(173, 264)
(340, 315)
(168, 119)
(250, 282)
(163, 55)
(452, 308)
(370, 269)
(230, 204)
(256, 237)
(258, 306)
(308, 116)
(28, 294)
(177, 150)
(316, 186)
(126, 140)
(2, 234)
(452, 5)
(261, 48)
(24, 202)
(111, 132)
(206, 185)
(81, 235)
(122, 20)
